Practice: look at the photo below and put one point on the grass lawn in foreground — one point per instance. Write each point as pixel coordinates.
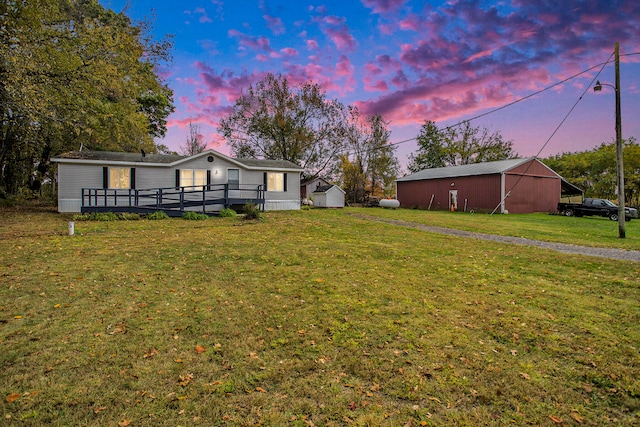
(311, 317)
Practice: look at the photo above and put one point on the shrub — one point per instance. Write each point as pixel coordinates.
(196, 216)
(103, 216)
(228, 213)
(251, 211)
(157, 215)
(81, 217)
(129, 216)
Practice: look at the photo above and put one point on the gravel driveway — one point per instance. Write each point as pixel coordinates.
(611, 253)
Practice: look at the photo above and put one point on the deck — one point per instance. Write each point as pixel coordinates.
(207, 199)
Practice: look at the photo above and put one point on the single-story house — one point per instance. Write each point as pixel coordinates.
(505, 186)
(209, 181)
(328, 196)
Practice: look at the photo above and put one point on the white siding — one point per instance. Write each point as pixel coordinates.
(74, 176)
(332, 198)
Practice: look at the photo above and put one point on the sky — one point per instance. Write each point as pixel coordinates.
(410, 61)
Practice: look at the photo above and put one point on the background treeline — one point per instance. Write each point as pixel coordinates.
(594, 171)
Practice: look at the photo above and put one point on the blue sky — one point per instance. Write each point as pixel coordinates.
(410, 61)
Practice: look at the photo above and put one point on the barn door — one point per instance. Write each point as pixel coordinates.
(453, 200)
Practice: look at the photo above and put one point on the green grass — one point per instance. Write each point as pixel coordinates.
(585, 231)
(307, 318)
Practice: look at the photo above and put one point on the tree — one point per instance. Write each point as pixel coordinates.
(595, 171)
(370, 167)
(275, 121)
(459, 145)
(73, 73)
(194, 144)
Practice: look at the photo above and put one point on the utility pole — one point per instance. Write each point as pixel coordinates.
(619, 148)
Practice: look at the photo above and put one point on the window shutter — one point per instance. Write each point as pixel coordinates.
(105, 177)
(285, 182)
(177, 178)
(208, 177)
(265, 181)
(132, 178)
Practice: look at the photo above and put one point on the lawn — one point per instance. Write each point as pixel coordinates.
(312, 318)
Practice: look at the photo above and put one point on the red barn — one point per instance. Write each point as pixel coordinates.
(506, 186)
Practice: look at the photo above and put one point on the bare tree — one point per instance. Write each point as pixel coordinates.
(194, 144)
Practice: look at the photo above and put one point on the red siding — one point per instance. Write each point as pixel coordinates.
(482, 193)
(532, 194)
(537, 191)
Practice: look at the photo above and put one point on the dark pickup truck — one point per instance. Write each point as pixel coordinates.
(599, 207)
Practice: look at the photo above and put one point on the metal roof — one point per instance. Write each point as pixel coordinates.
(485, 168)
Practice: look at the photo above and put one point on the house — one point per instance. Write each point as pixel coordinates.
(328, 196)
(308, 186)
(505, 186)
(90, 181)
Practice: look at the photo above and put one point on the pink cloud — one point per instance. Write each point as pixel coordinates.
(312, 44)
(252, 42)
(336, 29)
(289, 51)
(203, 15)
(275, 24)
(412, 22)
(384, 6)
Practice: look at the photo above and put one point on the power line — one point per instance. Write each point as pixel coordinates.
(517, 100)
(556, 129)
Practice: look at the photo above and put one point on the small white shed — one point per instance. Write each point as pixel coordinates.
(328, 196)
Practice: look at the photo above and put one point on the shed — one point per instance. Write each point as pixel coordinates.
(328, 196)
(506, 186)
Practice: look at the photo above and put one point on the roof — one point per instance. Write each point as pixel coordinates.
(485, 168)
(120, 157)
(89, 156)
(312, 179)
(270, 164)
(325, 188)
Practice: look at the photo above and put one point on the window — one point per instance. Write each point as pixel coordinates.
(193, 177)
(276, 181)
(120, 178)
(233, 179)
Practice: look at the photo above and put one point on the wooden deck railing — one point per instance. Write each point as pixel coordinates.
(206, 198)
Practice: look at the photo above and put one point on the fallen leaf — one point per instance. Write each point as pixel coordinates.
(13, 397)
(525, 375)
(100, 409)
(17, 317)
(577, 417)
(178, 360)
(200, 349)
(150, 354)
(57, 306)
(555, 419)
(261, 390)
(185, 380)
(124, 423)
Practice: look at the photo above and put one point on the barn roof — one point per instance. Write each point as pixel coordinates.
(485, 168)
